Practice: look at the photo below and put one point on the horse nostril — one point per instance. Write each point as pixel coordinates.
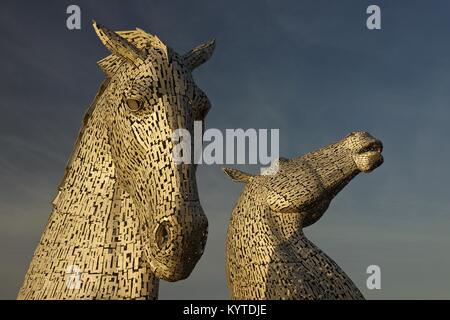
(162, 235)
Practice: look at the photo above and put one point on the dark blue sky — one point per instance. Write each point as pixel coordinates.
(310, 68)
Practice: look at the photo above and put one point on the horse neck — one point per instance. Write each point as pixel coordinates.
(93, 229)
(282, 231)
(289, 238)
(276, 229)
(280, 226)
(277, 238)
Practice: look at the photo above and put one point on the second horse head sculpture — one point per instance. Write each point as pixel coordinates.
(268, 255)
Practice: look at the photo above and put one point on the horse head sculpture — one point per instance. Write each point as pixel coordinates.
(126, 211)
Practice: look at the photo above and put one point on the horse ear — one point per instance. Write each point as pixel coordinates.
(118, 45)
(237, 175)
(200, 54)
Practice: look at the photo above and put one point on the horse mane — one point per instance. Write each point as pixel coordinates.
(86, 117)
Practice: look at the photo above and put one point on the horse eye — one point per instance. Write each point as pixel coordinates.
(162, 235)
(134, 105)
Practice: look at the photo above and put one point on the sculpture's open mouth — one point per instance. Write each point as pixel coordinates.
(373, 146)
(369, 156)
